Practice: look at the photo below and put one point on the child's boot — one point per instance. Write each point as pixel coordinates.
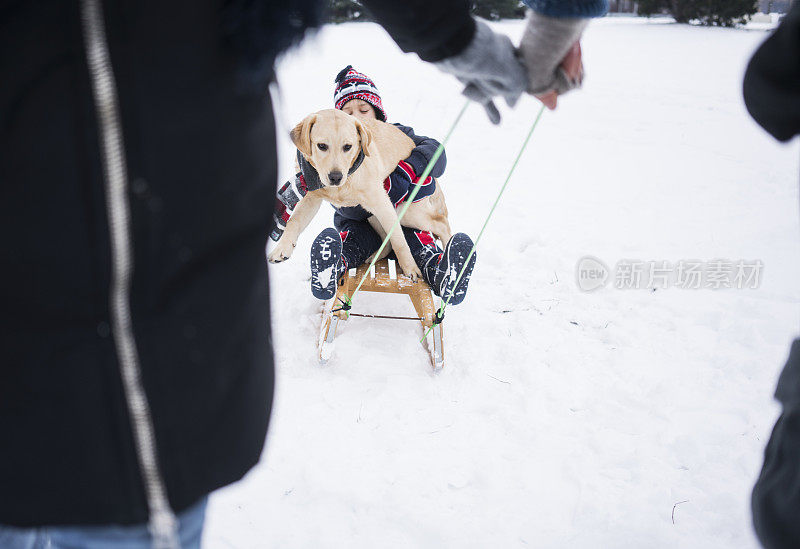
(327, 264)
(446, 270)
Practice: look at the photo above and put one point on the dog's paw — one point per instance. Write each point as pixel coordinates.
(412, 272)
(282, 252)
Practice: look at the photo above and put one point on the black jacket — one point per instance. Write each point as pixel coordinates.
(776, 495)
(772, 94)
(433, 30)
(199, 145)
(772, 80)
(201, 167)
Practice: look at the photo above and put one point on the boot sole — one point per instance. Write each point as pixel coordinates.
(325, 253)
(456, 253)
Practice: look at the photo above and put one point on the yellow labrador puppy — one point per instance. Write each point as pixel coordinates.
(352, 158)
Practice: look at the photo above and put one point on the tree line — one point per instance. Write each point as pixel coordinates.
(493, 10)
(725, 13)
(722, 13)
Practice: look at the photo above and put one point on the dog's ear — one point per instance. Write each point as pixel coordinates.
(365, 136)
(301, 135)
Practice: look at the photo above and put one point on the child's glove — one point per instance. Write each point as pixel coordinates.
(399, 184)
(545, 44)
(489, 67)
(287, 198)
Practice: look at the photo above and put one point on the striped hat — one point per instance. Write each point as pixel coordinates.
(351, 84)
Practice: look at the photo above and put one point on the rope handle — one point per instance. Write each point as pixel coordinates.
(488, 217)
(410, 199)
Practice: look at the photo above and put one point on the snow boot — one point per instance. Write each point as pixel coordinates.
(449, 267)
(326, 263)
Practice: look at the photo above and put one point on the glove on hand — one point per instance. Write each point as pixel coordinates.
(545, 43)
(286, 199)
(489, 67)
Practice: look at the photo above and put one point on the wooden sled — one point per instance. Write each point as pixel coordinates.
(383, 278)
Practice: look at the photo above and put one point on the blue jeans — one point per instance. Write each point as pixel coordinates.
(103, 537)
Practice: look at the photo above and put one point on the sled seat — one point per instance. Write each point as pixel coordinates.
(383, 277)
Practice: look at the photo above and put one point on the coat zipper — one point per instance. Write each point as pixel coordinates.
(163, 524)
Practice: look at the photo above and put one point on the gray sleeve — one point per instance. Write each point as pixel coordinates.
(544, 45)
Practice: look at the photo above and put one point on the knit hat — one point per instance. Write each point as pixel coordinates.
(351, 84)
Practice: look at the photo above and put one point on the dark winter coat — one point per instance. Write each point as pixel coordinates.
(772, 81)
(776, 496)
(441, 29)
(772, 94)
(398, 184)
(432, 30)
(198, 142)
(201, 166)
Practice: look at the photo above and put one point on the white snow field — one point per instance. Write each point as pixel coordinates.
(608, 419)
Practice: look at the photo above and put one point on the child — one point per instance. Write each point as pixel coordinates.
(354, 240)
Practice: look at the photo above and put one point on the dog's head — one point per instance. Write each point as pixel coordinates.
(331, 141)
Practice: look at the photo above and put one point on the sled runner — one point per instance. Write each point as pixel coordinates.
(383, 278)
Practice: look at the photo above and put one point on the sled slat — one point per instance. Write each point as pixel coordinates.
(384, 277)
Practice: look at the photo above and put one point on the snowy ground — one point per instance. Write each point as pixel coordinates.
(562, 418)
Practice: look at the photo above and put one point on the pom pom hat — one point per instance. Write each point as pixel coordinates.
(351, 84)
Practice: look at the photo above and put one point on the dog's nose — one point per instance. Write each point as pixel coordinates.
(335, 178)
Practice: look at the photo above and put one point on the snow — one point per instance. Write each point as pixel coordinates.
(562, 418)
(324, 276)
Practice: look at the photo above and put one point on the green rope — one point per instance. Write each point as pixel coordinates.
(349, 300)
(440, 313)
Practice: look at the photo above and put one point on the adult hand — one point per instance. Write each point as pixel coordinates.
(489, 67)
(550, 49)
(572, 65)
